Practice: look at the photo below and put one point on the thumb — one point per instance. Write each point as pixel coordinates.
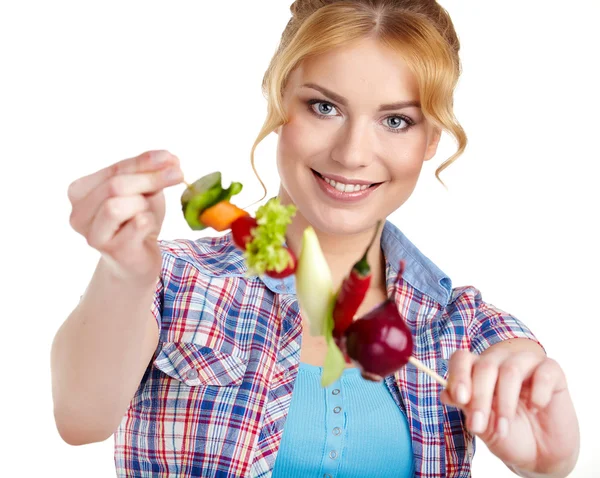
(447, 400)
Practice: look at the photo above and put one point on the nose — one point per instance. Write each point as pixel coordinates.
(354, 148)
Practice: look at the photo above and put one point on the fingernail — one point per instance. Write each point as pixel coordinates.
(503, 427)
(170, 174)
(477, 422)
(160, 157)
(462, 394)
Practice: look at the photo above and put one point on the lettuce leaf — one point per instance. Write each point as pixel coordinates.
(267, 251)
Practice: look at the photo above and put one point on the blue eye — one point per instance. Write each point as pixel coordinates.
(398, 118)
(326, 105)
(321, 103)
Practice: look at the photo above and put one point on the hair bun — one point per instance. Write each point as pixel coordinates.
(303, 8)
(300, 8)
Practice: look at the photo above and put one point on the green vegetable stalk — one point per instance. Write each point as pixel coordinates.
(334, 360)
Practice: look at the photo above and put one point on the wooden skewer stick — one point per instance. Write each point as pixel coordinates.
(428, 371)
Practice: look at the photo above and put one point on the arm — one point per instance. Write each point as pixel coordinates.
(514, 398)
(514, 346)
(558, 474)
(99, 356)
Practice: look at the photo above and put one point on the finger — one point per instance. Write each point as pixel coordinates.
(547, 378)
(459, 376)
(112, 215)
(135, 231)
(130, 246)
(145, 162)
(484, 376)
(511, 375)
(84, 212)
(145, 228)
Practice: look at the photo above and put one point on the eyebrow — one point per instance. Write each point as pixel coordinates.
(343, 101)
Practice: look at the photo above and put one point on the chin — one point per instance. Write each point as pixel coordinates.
(340, 221)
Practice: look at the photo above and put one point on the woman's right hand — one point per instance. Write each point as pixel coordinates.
(120, 210)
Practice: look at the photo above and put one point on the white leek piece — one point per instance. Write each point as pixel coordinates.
(314, 285)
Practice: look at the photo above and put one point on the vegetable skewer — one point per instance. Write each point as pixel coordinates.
(379, 342)
(353, 291)
(205, 203)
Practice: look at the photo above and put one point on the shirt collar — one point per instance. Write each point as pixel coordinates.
(420, 272)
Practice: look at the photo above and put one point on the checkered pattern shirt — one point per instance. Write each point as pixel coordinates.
(214, 399)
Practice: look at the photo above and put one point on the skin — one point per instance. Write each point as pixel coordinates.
(514, 398)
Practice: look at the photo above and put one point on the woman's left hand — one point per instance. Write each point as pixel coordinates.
(518, 403)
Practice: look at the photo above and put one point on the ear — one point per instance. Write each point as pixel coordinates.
(434, 140)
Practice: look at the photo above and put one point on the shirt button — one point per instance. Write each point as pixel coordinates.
(333, 454)
(337, 431)
(336, 391)
(337, 409)
(192, 374)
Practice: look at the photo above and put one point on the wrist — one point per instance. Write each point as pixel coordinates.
(559, 470)
(111, 274)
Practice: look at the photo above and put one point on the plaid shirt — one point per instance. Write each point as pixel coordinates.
(213, 401)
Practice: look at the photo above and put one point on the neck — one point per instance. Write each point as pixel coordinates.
(341, 251)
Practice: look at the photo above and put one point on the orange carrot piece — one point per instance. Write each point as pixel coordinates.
(221, 215)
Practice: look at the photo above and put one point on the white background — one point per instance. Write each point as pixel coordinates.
(84, 84)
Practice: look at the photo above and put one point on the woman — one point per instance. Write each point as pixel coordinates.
(227, 384)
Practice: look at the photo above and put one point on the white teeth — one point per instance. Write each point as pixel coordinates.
(346, 188)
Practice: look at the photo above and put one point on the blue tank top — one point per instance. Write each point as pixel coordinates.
(351, 429)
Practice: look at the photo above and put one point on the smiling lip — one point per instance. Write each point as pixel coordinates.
(343, 180)
(347, 197)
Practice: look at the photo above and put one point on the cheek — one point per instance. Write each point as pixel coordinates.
(404, 163)
(292, 144)
(290, 155)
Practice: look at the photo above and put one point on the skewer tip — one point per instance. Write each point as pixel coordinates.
(421, 366)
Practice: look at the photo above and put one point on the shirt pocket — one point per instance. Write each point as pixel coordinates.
(194, 365)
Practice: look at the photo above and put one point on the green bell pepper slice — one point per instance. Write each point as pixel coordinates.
(202, 194)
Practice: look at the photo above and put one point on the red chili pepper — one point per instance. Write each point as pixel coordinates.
(352, 293)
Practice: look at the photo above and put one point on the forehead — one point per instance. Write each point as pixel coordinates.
(363, 72)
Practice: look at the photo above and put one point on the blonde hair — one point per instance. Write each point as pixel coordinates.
(421, 31)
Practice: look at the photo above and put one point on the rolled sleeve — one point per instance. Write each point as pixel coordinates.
(163, 280)
(491, 325)
(157, 304)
